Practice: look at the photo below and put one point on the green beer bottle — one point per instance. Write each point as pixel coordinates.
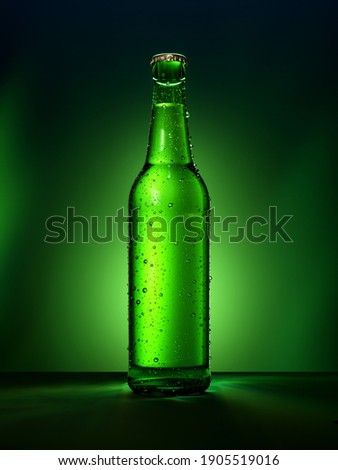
(169, 250)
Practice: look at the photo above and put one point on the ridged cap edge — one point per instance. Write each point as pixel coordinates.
(168, 56)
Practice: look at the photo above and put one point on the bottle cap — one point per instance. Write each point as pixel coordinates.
(169, 56)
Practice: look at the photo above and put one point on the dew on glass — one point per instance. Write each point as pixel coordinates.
(169, 332)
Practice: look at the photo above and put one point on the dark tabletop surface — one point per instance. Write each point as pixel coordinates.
(98, 411)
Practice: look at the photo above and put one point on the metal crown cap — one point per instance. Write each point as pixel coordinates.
(169, 56)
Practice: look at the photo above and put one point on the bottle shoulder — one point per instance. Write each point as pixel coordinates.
(164, 176)
(169, 182)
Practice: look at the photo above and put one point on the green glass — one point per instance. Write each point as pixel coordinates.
(169, 250)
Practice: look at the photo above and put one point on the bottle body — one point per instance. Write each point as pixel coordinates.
(169, 265)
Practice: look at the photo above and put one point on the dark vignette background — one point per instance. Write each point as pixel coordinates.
(75, 93)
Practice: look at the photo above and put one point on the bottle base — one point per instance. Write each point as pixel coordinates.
(166, 382)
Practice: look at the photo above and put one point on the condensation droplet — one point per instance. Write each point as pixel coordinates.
(170, 204)
(145, 261)
(144, 289)
(155, 359)
(138, 302)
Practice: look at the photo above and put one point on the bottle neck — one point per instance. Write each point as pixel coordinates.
(169, 135)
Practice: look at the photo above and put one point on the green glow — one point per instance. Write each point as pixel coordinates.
(256, 142)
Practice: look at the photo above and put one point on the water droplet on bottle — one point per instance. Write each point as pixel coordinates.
(161, 295)
(187, 260)
(155, 359)
(154, 247)
(138, 302)
(151, 265)
(182, 157)
(194, 281)
(210, 278)
(170, 204)
(193, 314)
(187, 115)
(145, 261)
(144, 289)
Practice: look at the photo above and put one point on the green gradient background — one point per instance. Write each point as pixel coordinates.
(75, 97)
